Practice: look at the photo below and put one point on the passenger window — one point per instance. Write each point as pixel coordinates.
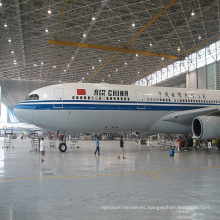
(84, 97)
(100, 98)
(81, 97)
(128, 99)
(121, 99)
(77, 97)
(72, 97)
(110, 98)
(118, 98)
(125, 99)
(114, 98)
(88, 97)
(106, 98)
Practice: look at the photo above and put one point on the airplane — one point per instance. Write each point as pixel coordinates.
(109, 108)
(19, 128)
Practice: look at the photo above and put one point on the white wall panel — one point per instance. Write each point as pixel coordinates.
(202, 77)
(191, 80)
(210, 76)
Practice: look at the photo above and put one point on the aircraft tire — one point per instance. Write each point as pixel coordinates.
(62, 147)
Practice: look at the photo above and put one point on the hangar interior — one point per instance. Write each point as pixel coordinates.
(168, 43)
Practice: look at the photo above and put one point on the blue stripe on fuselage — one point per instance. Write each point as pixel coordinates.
(109, 105)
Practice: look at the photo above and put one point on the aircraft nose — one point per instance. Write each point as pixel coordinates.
(18, 112)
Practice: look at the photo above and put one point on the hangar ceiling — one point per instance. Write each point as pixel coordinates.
(163, 27)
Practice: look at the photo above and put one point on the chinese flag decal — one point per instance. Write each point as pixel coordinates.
(81, 92)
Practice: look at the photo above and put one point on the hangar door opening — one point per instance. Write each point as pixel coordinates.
(58, 98)
(140, 99)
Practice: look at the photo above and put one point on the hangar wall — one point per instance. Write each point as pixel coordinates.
(207, 77)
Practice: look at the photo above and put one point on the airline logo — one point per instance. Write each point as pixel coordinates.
(81, 92)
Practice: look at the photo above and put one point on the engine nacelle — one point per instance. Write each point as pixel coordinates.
(206, 127)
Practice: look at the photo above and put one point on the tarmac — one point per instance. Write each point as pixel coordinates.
(148, 184)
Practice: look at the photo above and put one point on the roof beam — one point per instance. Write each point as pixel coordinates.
(134, 37)
(169, 61)
(101, 47)
(58, 27)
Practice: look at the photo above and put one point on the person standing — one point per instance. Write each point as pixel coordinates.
(121, 149)
(180, 142)
(42, 149)
(97, 146)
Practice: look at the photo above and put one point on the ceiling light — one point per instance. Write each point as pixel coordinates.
(84, 35)
(162, 58)
(5, 25)
(109, 75)
(87, 73)
(42, 63)
(136, 55)
(35, 65)
(138, 72)
(12, 51)
(100, 60)
(68, 65)
(0, 4)
(72, 57)
(93, 67)
(178, 48)
(9, 40)
(119, 40)
(93, 18)
(151, 44)
(49, 11)
(192, 13)
(46, 30)
(199, 37)
(60, 81)
(133, 24)
(126, 63)
(116, 70)
(64, 70)
(54, 67)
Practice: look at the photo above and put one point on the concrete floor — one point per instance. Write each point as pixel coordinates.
(77, 185)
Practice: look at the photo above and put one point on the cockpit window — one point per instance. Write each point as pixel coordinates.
(32, 97)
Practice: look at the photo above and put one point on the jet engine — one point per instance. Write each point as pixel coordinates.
(206, 127)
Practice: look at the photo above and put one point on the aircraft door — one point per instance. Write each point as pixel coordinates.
(140, 99)
(58, 98)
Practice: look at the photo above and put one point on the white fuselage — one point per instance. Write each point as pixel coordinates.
(81, 107)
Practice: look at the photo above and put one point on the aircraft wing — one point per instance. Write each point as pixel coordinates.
(186, 117)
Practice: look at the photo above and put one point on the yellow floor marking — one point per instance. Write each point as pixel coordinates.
(151, 173)
(62, 177)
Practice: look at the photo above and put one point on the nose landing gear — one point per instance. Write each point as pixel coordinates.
(62, 147)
